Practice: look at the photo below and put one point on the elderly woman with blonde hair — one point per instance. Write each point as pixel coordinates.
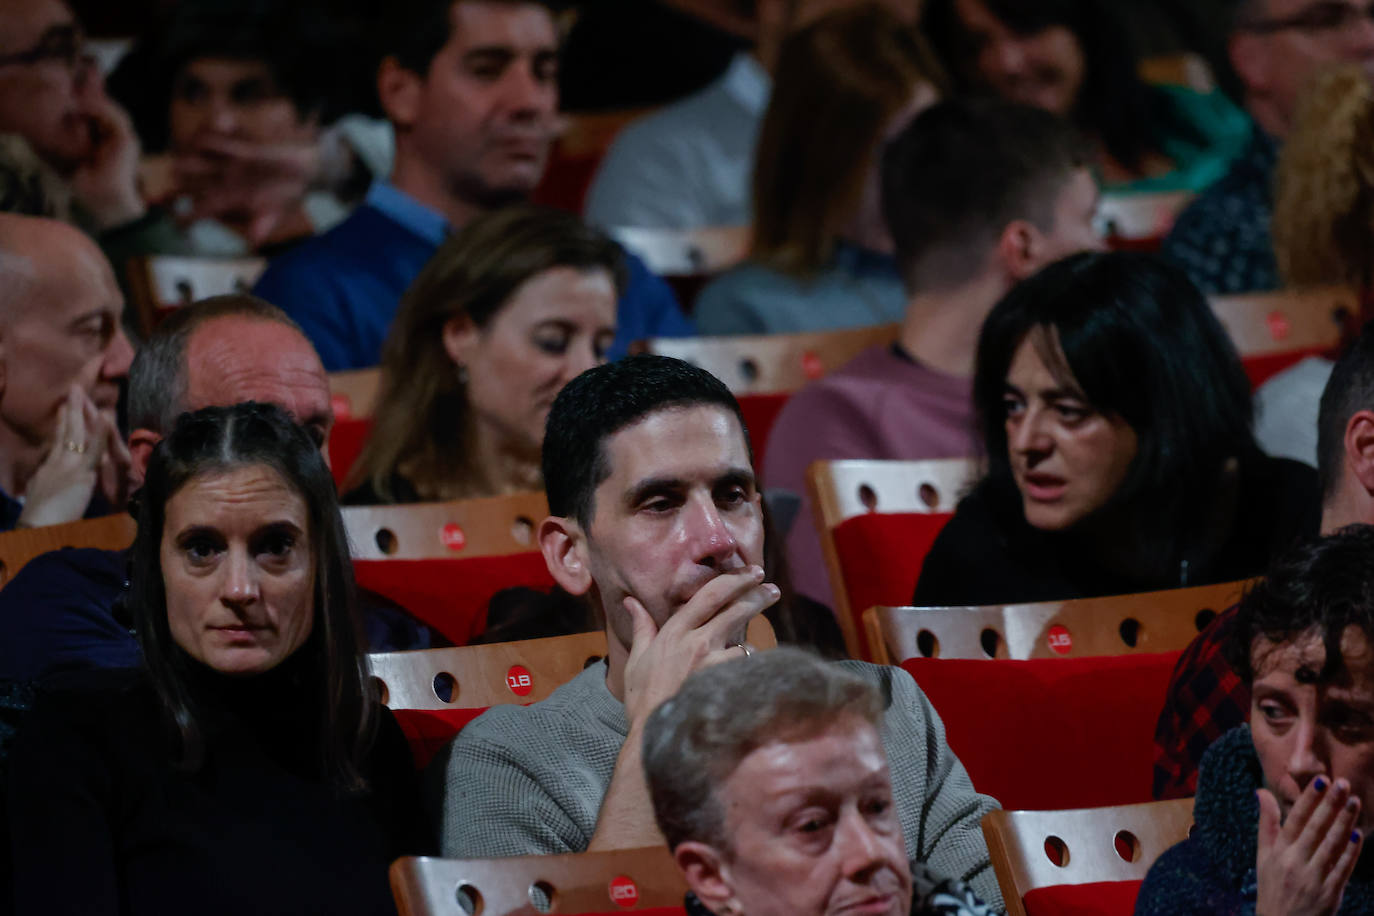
(1323, 231)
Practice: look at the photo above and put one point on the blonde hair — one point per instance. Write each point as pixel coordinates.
(1323, 223)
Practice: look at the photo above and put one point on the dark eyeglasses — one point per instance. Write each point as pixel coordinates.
(1319, 17)
(65, 43)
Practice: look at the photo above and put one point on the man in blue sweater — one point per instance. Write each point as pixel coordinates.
(470, 87)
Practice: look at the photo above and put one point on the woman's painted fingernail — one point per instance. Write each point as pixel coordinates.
(1319, 784)
(1354, 836)
(1352, 804)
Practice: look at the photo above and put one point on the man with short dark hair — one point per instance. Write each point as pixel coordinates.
(771, 786)
(470, 87)
(1275, 47)
(977, 195)
(1206, 697)
(656, 519)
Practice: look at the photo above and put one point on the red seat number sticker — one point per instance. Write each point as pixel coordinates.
(519, 681)
(341, 405)
(453, 537)
(812, 367)
(624, 893)
(1060, 640)
(1279, 325)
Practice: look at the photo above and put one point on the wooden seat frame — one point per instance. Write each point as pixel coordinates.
(489, 526)
(570, 883)
(18, 547)
(1019, 844)
(1161, 621)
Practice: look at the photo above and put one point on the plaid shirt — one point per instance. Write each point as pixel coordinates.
(1206, 699)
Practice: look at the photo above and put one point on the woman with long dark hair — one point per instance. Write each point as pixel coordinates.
(1115, 420)
(247, 767)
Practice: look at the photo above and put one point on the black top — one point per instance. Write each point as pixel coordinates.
(365, 494)
(989, 554)
(103, 821)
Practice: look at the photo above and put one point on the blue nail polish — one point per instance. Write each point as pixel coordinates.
(1319, 784)
(1354, 836)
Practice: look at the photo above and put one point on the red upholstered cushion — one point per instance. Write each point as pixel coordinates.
(1260, 368)
(641, 911)
(428, 730)
(760, 412)
(881, 554)
(1103, 898)
(1051, 733)
(346, 441)
(451, 594)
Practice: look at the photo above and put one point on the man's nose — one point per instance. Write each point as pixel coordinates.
(119, 355)
(526, 93)
(1307, 756)
(713, 541)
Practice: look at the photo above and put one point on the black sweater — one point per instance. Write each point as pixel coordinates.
(989, 554)
(103, 821)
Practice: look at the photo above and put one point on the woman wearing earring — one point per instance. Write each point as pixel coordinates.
(504, 315)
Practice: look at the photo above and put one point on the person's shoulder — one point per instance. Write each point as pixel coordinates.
(353, 242)
(1179, 882)
(93, 698)
(60, 568)
(571, 709)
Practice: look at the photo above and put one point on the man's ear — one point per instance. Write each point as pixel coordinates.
(565, 554)
(399, 90)
(141, 443)
(707, 875)
(1359, 448)
(1019, 250)
(461, 337)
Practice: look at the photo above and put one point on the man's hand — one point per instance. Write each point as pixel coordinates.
(85, 451)
(250, 185)
(1303, 865)
(106, 184)
(702, 632)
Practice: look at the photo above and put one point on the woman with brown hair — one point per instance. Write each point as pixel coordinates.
(822, 256)
(502, 317)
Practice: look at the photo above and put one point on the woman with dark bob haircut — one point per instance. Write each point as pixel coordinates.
(246, 767)
(1115, 419)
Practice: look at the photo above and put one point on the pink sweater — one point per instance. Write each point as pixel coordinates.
(878, 405)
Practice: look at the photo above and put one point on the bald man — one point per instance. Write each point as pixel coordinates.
(62, 356)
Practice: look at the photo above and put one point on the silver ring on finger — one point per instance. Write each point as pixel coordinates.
(745, 646)
(78, 447)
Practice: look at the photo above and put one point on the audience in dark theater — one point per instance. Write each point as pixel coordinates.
(979, 196)
(1115, 421)
(281, 785)
(1075, 59)
(822, 255)
(1276, 47)
(505, 314)
(470, 87)
(595, 351)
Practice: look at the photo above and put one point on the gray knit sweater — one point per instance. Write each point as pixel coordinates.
(527, 780)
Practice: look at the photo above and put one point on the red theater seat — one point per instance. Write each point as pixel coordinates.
(882, 555)
(346, 441)
(1051, 733)
(1101, 898)
(451, 595)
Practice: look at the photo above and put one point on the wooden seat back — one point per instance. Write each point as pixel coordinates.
(1040, 849)
(1144, 622)
(1139, 221)
(768, 363)
(590, 882)
(1271, 331)
(686, 252)
(18, 547)
(489, 526)
(480, 676)
(842, 491)
(159, 283)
